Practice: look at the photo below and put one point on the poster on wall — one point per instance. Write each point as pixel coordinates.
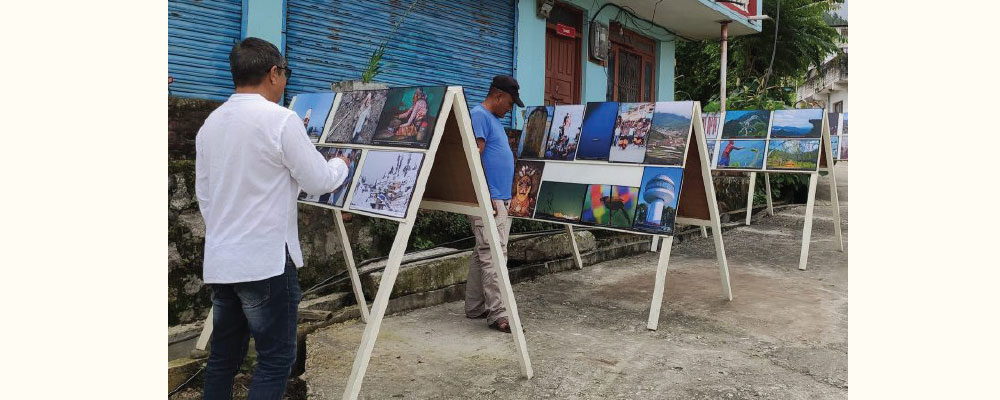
(658, 197)
(560, 201)
(536, 128)
(631, 130)
(313, 109)
(386, 181)
(337, 197)
(356, 117)
(793, 154)
(564, 135)
(746, 124)
(668, 137)
(798, 123)
(740, 154)
(527, 180)
(409, 116)
(597, 130)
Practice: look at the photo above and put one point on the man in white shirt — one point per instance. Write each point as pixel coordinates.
(252, 157)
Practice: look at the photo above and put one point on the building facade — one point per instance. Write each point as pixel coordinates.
(545, 44)
(826, 86)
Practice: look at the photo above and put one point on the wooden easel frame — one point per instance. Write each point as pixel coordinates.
(826, 163)
(447, 189)
(699, 171)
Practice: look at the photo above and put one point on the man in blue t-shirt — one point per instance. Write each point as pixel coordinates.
(482, 292)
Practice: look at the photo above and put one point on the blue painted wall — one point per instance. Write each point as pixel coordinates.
(531, 56)
(265, 19)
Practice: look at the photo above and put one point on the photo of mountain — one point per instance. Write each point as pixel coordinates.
(798, 123)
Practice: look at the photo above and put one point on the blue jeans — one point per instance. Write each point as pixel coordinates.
(267, 310)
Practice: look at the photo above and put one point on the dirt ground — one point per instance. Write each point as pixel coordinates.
(783, 336)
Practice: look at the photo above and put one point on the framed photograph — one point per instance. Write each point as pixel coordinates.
(610, 205)
(386, 182)
(313, 109)
(536, 129)
(740, 154)
(793, 154)
(631, 132)
(527, 181)
(356, 117)
(564, 135)
(668, 138)
(597, 130)
(409, 116)
(746, 124)
(336, 198)
(797, 124)
(559, 201)
(658, 195)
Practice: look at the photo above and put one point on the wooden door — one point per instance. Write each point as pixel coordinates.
(563, 56)
(631, 66)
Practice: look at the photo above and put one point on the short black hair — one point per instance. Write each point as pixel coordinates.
(251, 60)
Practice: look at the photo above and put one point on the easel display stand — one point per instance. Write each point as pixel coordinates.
(825, 164)
(696, 206)
(450, 179)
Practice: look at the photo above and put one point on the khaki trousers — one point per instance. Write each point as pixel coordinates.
(482, 288)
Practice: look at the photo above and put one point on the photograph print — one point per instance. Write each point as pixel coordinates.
(527, 179)
(793, 154)
(337, 197)
(843, 131)
(658, 195)
(668, 138)
(313, 108)
(835, 145)
(409, 116)
(710, 123)
(746, 124)
(386, 182)
(798, 123)
(843, 142)
(536, 129)
(598, 127)
(515, 138)
(558, 201)
(834, 119)
(628, 145)
(356, 117)
(610, 205)
(564, 136)
(740, 154)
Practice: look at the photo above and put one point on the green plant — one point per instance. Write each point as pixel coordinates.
(374, 66)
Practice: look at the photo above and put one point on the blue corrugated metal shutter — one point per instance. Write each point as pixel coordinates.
(441, 42)
(200, 35)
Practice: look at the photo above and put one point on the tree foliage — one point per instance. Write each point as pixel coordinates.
(804, 39)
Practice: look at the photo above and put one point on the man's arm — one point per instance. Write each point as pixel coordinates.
(201, 175)
(315, 175)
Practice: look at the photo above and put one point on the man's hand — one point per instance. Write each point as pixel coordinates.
(495, 211)
(481, 143)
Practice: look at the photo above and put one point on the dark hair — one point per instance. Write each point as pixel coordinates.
(251, 60)
(494, 89)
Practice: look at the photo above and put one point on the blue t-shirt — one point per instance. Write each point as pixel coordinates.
(498, 160)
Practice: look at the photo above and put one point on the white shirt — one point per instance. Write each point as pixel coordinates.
(252, 157)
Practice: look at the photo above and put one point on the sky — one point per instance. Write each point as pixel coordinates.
(842, 12)
(796, 118)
